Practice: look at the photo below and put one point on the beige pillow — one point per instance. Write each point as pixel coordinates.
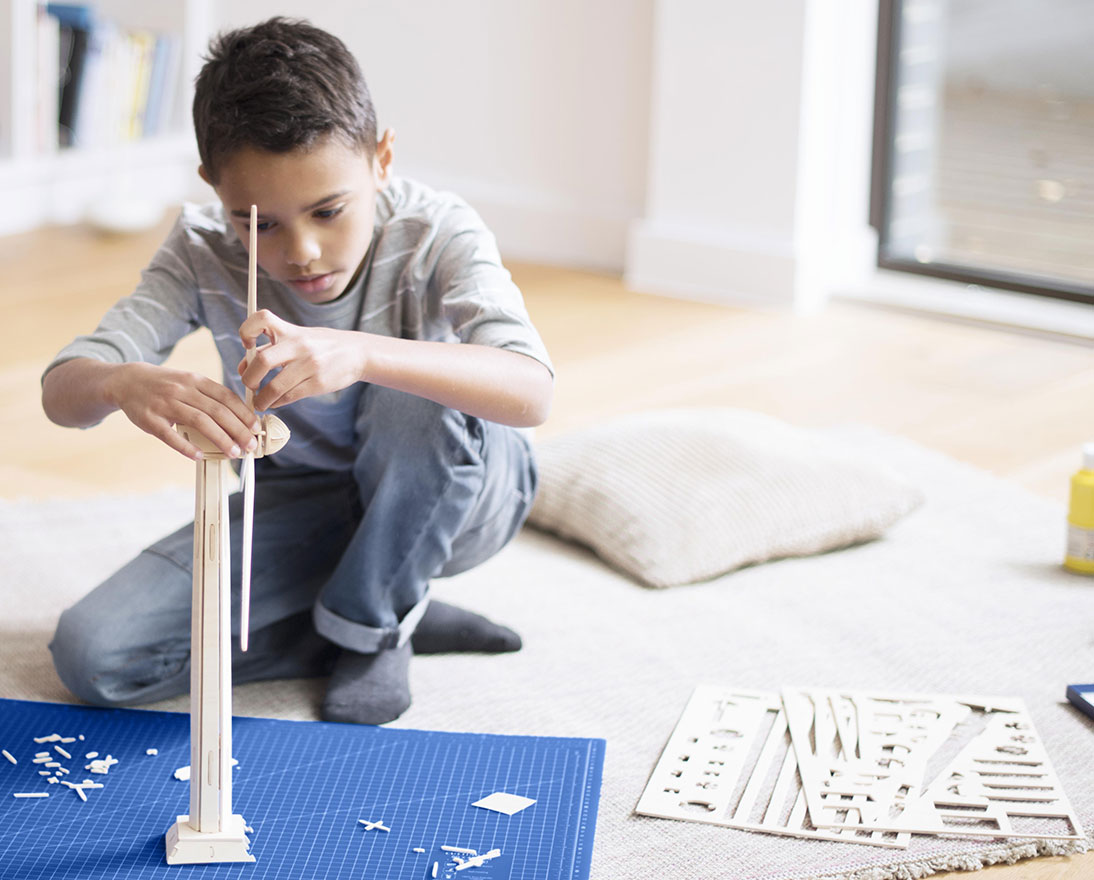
(676, 496)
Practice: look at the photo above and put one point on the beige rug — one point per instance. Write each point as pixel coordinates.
(966, 595)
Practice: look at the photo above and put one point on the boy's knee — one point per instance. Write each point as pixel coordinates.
(398, 416)
(394, 426)
(99, 669)
(79, 656)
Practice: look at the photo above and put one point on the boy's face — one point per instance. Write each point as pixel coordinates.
(316, 210)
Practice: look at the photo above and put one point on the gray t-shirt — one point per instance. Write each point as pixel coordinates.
(432, 272)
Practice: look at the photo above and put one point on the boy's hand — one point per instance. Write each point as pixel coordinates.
(310, 360)
(156, 398)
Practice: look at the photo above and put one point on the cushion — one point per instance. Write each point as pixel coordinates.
(677, 496)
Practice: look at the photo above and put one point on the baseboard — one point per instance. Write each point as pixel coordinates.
(720, 267)
(973, 303)
(65, 188)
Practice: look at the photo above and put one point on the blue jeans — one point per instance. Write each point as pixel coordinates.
(341, 558)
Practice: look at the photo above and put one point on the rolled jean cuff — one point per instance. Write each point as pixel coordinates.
(366, 639)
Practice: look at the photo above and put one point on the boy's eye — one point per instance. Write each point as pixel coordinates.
(328, 213)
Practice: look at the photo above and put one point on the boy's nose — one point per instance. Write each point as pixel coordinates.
(302, 250)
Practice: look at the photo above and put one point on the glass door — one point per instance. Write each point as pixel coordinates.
(984, 143)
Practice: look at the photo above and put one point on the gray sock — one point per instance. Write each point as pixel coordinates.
(445, 628)
(369, 688)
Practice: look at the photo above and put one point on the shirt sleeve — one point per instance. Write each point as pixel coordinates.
(476, 293)
(146, 325)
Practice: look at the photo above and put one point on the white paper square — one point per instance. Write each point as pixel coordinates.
(500, 802)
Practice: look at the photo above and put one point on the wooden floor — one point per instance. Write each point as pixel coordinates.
(1017, 405)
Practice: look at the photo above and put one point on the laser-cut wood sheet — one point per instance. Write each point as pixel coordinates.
(859, 767)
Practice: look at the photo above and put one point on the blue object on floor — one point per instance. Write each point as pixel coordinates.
(1081, 696)
(302, 786)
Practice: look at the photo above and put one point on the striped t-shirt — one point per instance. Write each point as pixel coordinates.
(432, 272)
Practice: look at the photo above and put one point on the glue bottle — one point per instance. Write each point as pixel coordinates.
(1080, 516)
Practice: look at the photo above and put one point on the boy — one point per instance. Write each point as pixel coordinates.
(399, 353)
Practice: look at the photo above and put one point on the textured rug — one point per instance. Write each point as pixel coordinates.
(965, 595)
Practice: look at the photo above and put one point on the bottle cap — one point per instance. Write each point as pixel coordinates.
(1088, 456)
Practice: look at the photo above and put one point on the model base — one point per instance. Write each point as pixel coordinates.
(187, 846)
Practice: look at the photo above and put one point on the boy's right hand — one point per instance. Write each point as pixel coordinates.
(156, 398)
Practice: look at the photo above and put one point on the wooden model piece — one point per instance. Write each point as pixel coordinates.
(248, 470)
(211, 832)
(860, 767)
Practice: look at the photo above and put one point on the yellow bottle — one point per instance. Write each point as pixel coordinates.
(1080, 516)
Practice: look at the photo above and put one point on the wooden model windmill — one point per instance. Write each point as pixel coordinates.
(211, 832)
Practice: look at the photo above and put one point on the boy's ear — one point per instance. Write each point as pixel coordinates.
(204, 175)
(385, 155)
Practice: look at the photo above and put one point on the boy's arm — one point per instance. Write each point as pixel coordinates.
(81, 392)
(483, 381)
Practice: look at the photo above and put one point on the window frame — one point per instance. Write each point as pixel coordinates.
(885, 85)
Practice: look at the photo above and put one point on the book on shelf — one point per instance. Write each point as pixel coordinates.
(46, 87)
(114, 84)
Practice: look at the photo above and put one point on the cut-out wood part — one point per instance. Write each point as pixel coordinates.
(729, 762)
(859, 767)
(1000, 784)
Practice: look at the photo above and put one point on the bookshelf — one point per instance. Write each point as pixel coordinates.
(114, 163)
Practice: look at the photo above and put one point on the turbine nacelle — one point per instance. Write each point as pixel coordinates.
(272, 436)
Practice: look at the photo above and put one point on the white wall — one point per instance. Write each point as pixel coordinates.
(662, 138)
(536, 112)
(701, 147)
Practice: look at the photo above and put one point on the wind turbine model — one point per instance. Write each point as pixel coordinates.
(211, 832)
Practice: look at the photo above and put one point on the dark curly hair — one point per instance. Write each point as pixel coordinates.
(279, 86)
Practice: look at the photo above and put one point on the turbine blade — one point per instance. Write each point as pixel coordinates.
(248, 527)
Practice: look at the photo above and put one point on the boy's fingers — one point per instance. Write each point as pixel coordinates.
(279, 391)
(268, 359)
(177, 442)
(232, 409)
(262, 322)
(213, 433)
(231, 443)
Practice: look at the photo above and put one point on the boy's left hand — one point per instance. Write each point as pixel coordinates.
(308, 360)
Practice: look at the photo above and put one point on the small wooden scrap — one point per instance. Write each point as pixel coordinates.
(151, 751)
(62, 752)
(79, 787)
(419, 849)
(8, 755)
(435, 866)
(52, 738)
(503, 802)
(92, 755)
(102, 765)
(369, 826)
(42, 760)
(68, 739)
(477, 861)
(460, 849)
(30, 794)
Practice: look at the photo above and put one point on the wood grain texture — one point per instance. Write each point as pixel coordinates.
(1017, 405)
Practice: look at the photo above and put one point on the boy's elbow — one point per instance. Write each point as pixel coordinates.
(539, 403)
(49, 398)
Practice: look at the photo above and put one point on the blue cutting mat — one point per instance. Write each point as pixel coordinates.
(302, 786)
